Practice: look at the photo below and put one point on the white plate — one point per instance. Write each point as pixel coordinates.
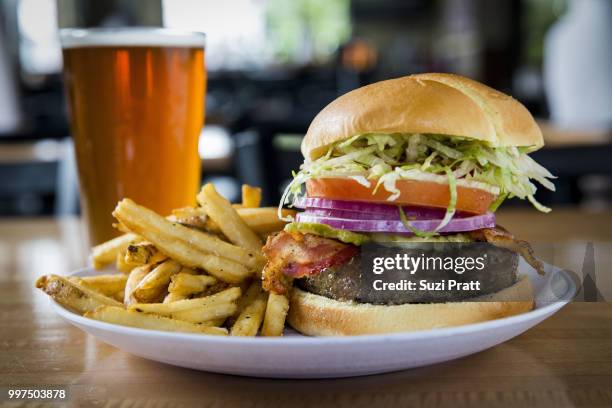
(296, 356)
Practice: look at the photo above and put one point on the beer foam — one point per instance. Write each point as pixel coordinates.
(130, 37)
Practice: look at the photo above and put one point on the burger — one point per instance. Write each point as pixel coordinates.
(405, 164)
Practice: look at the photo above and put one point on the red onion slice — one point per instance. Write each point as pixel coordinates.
(472, 223)
(389, 210)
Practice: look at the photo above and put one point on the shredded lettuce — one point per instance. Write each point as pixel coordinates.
(450, 210)
(415, 231)
(506, 172)
(448, 216)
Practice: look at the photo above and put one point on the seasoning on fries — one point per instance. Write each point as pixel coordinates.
(251, 316)
(72, 294)
(143, 253)
(187, 284)
(119, 315)
(196, 271)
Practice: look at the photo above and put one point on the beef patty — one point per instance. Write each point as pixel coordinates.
(353, 281)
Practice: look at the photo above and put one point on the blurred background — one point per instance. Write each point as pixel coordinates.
(273, 64)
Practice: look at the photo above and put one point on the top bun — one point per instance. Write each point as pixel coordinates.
(443, 104)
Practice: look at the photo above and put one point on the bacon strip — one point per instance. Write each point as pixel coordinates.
(292, 256)
(500, 237)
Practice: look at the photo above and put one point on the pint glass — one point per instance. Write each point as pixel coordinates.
(136, 104)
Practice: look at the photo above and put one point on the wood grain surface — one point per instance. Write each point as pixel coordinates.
(564, 361)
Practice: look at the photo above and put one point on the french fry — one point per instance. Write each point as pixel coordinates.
(72, 294)
(250, 318)
(189, 271)
(119, 296)
(122, 228)
(261, 220)
(206, 313)
(173, 297)
(190, 247)
(190, 216)
(143, 253)
(276, 313)
(225, 216)
(214, 289)
(121, 265)
(186, 284)
(189, 212)
(251, 196)
(264, 219)
(250, 294)
(167, 309)
(106, 252)
(154, 284)
(133, 280)
(131, 318)
(214, 322)
(108, 284)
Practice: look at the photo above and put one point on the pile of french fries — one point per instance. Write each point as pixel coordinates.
(197, 270)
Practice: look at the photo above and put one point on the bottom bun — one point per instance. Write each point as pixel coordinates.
(316, 315)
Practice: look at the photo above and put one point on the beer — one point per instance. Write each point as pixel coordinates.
(136, 101)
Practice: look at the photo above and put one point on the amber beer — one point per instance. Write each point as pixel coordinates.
(136, 101)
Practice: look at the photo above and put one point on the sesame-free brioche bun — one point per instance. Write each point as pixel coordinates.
(316, 315)
(443, 104)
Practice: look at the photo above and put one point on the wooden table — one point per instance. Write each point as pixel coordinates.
(565, 361)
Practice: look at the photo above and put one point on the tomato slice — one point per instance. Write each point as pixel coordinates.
(412, 192)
